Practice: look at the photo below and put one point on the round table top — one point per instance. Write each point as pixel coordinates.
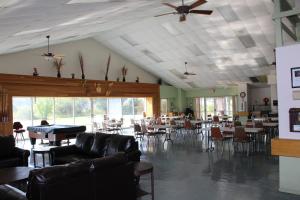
(13, 174)
(142, 168)
(42, 149)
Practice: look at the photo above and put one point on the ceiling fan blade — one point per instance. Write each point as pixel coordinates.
(202, 12)
(166, 14)
(170, 5)
(197, 3)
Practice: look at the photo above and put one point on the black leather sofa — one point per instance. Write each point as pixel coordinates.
(109, 178)
(10, 155)
(90, 146)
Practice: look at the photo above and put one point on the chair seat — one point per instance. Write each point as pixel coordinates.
(19, 131)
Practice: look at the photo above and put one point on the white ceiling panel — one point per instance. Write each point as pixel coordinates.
(229, 46)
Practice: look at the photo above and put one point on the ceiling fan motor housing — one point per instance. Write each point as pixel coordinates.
(183, 9)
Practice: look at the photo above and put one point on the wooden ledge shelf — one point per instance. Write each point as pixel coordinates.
(286, 147)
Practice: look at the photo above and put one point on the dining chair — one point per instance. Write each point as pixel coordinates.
(240, 137)
(18, 129)
(217, 137)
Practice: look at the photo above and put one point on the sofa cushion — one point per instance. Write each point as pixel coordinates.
(84, 142)
(72, 158)
(118, 143)
(10, 162)
(109, 161)
(61, 182)
(7, 145)
(99, 145)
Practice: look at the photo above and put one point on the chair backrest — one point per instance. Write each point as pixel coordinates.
(137, 128)
(258, 125)
(172, 122)
(216, 133)
(44, 123)
(187, 124)
(237, 123)
(216, 119)
(144, 128)
(240, 134)
(17, 125)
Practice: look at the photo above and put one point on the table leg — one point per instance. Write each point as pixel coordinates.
(34, 161)
(152, 185)
(43, 155)
(50, 160)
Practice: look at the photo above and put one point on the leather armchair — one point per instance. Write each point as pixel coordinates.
(11, 156)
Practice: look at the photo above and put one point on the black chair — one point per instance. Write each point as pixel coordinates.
(18, 130)
(11, 156)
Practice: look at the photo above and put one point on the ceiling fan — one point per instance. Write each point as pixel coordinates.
(184, 10)
(49, 55)
(186, 72)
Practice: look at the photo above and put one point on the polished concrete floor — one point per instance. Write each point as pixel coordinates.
(183, 170)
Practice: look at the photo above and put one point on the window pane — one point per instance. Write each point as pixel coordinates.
(164, 106)
(64, 111)
(22, 112)
(83, 112)
(139, 107)
(115, 108)
(210, 106)
(220, 106)
(43, 110)
(100, 109)
(127, 106)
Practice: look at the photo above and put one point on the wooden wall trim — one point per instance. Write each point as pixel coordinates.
(25, 85)
(285, 147)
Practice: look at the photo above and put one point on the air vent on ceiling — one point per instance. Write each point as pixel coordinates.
(259, 79)
(152, 56)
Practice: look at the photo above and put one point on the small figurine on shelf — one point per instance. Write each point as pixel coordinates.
(73, 76)
(118, 79)
(137, 79)
(35, 72)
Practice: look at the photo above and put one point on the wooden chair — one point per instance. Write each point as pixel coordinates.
(18, 130)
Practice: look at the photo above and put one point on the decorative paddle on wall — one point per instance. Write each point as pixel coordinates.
(184, 10)
(186, 72)
(107, 68)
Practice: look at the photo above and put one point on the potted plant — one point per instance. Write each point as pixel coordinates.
(58, 64)
(124, 73)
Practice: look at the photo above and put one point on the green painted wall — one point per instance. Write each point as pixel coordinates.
(179, 99)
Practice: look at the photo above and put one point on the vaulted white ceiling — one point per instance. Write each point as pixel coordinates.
(234, 43)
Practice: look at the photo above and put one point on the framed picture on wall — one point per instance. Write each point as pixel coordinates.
(295, 76)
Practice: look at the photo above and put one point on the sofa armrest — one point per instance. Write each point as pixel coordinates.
(10, 193)
(23, 154)
(134, 156)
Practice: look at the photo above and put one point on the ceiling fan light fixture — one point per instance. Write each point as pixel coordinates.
(182, 18)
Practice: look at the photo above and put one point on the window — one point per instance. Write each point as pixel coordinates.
(99, 109)
(214, 106)
(76, 111)
(82, 112)
(64, 110)
(22, 111)
(164, 106)
(43, 109)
